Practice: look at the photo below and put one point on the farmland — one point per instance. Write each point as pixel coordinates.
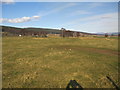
(30, 62)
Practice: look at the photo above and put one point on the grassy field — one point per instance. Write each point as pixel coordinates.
(53, 62)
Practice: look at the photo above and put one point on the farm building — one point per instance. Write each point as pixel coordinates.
(40, 32)
(68, 33)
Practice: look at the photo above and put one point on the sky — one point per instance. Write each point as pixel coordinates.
(89, 17)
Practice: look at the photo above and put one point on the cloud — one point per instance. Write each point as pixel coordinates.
(104, 25)
(94, 18)
(36, 17)
(7, 1)
(18, 20)
(26, 19)
(80, 12)
(105, 22)
(67, 0)
(102, 16)
(95, 4)
(58, 9)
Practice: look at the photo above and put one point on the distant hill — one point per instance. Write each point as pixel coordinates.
(15, 30)
(18, 30)
(109, 33)
(52, 31)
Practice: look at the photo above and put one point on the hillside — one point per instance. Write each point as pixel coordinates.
(15, 30)
(18, 30)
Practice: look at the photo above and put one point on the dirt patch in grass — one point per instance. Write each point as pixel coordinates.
(89, 49)
(40, 38)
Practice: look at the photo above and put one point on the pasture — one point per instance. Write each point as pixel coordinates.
(29, 62)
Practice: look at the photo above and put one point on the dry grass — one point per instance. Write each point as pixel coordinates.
(53, 62)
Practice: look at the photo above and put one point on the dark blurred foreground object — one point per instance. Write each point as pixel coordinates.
(117, 88)
(106, 35)
(73, 84)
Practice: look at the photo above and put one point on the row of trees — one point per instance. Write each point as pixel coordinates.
(25, 32)
(42, 33)
(22, 32)
(68, 33)
(106, 35)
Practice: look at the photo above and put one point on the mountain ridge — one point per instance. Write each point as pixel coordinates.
(49, 30)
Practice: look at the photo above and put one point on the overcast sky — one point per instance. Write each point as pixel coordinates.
(81, 16)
